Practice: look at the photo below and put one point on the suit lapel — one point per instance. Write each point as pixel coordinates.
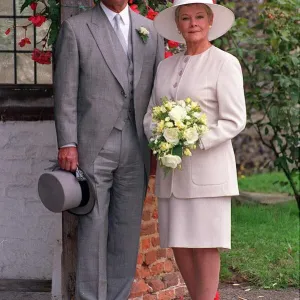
(138, 47)
(109, 44)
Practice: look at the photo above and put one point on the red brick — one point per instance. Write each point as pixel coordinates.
(166, 295)
(142, 272)
(169, 266)
(148, 228)
(157, 269)
(139, 287)
(140, 259)
(180, 291)
(155, 241)
(156, 284)
(155, 214)
(149, 200)
(170, 253)
(146, 215)
(149, 297)
(171, 279)
(161, 253)
(150, 257)
(146, 244)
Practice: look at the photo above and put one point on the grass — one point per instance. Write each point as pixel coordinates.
(265, 245)
(266, 183)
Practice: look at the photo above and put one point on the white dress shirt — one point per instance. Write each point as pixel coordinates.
(124, 14)
(124, 26)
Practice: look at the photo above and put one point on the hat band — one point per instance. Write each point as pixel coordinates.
(85, 193)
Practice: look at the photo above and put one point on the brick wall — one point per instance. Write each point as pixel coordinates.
(157, 276)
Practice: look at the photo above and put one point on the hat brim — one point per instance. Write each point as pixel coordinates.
(86, 209)
(165, 23)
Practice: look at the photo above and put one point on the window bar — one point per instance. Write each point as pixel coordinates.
(15, 41)
(34, 43)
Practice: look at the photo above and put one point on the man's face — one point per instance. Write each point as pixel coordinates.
(115, 4)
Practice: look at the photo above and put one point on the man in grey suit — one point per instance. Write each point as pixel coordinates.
(103, 81)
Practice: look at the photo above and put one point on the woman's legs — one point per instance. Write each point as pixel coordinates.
(207, 264)
(186, 264)
(200, 270)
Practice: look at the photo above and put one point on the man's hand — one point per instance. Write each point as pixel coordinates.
(68, 158)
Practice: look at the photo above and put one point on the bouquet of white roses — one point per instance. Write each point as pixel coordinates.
(178, 125)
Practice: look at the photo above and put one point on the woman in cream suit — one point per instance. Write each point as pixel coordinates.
(195, 202)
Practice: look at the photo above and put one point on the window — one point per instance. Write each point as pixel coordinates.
(16, 65)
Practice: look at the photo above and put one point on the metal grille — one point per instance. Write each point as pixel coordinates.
(16, 65)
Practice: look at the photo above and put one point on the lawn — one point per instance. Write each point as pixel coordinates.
(265, 246)
(266, 183)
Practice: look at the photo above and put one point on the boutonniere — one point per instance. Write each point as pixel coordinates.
(143, 33)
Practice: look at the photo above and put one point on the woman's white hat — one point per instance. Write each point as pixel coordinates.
(166, 26)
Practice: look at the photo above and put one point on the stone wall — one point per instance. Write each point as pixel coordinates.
(28, 231)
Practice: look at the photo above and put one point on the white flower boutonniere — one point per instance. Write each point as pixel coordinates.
(143, 33)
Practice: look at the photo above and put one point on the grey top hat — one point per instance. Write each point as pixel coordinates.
(61, 190)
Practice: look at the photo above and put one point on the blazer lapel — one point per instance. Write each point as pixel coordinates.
(138, 46)
(109, 44)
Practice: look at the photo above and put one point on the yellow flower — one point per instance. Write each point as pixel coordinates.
(168, 105)
(163, 110)
(194, 104)
(169, 124)
(156, 110)
(203, 118)
(187, 152)
(160, 126)
(179, 124)
(188, 100)
(165, 146)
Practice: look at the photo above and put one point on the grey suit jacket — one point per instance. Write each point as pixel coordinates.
(89, 88)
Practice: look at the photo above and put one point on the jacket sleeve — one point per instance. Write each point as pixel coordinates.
(231, 102)
(66, 86)
(148, 124)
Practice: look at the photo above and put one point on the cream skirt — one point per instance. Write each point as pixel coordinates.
(195, 223)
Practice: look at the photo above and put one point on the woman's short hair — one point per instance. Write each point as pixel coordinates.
(207, 9)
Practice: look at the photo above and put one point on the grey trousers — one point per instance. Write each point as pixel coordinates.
(108, 237)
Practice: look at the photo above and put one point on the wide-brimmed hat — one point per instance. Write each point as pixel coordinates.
(61, 190)
(165, 23)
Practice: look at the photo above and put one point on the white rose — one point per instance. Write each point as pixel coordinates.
(191, 135)
(181, 103)
(171, 135)
(177, 113)
(171, 161)
(144, 31)
(197, 115)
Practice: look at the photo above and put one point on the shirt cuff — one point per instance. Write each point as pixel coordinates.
(69, 145)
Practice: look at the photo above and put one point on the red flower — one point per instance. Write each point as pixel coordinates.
(7, 32)
(37, 20)
(135, 8)
(217, 296)
(41, 57)
(168, 54)
(130, 1)
(173, 44)
(33, 5)
(24, 41)
(151, 14)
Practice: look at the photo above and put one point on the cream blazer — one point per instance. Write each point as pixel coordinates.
(213, 79)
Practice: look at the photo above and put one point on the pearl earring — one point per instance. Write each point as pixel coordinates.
(179, 31)
(210, 26)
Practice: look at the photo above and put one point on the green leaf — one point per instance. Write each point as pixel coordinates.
(177, 150)
(53, 33)
(25, 4)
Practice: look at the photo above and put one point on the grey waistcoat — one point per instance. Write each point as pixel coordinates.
(128, 106)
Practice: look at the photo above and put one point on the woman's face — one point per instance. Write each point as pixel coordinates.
(193, 22)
